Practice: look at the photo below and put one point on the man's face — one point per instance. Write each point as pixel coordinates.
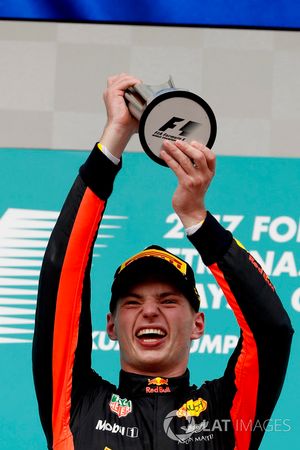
(154, 324)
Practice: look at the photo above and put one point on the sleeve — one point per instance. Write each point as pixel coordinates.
(255, 372)
(62, 340)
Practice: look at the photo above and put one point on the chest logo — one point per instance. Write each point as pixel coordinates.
(192, 408)
(120, 406)
(160, 386)
(158, 381)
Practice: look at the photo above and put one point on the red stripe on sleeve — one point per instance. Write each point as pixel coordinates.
(67, 315)
(243, 408)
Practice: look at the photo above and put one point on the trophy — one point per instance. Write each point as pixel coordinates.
(166, 112)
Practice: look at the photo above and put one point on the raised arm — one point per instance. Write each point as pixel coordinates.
(255, 373)
(62, 339)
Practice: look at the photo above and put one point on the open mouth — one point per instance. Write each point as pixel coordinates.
(150, 334)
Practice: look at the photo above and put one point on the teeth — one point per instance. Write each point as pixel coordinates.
(151, 331)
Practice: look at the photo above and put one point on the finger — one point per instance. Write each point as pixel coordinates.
(122, 81)
(197, 158)
(202, 156)
(210, 156)
(119, 76)
(173, 165)
(179, 156)
(113, 78)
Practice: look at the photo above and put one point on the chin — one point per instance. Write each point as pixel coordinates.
(152, 363)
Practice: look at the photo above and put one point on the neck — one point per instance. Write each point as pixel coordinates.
(153, 370)
(132, 385)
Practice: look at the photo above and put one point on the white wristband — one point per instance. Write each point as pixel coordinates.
(193, 228)
(107, 153)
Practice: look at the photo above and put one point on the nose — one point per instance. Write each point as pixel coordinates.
(150, 308)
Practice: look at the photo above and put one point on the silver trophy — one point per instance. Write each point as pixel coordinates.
(166, 112)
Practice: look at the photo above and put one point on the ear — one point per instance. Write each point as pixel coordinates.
(110, 327)
(198, 328)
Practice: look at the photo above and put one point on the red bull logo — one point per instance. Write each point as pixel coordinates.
(158, 381)
(159, 384)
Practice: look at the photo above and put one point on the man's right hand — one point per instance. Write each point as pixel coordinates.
(120, 125)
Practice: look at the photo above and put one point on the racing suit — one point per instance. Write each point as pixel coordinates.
(80, 410)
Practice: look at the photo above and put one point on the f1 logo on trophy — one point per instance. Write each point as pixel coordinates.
(166, 112)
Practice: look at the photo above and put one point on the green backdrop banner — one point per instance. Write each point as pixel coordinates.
(256, 198)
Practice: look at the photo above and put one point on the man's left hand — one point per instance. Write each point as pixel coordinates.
(194, 165)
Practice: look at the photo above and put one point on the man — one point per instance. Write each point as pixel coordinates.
(154, 314)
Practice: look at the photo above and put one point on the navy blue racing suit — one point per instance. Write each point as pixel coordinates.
(80, 410)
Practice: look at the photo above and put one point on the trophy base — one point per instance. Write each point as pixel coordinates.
(176, 115)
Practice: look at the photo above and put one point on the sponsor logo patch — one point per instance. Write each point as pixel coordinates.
(158, 390)
(158, 381)
(192, 408)
(176, 262)
(120, 406)
(159, 384)
(103, 425)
